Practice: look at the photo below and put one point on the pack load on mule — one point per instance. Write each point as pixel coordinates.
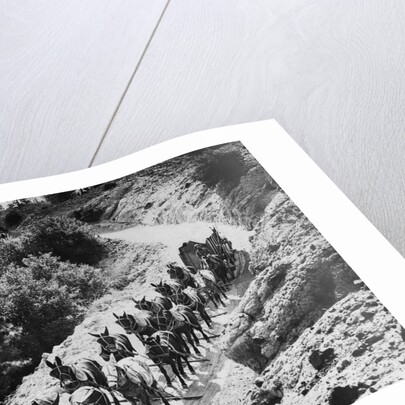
(165, 325)
(216, 255)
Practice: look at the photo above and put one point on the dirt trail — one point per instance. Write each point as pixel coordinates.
(218, 380)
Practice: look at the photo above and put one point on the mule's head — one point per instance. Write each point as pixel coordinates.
(162, 288)
(64, 373)
(174, 271)
(152, 341)
(143, 304)
(126, 322)
(107, 344)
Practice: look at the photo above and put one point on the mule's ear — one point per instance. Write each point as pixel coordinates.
(124, 314)
(153, 285)
(136, 302)
(106, 332)
(49, 364)
(116, 315)
(58, 361)
(94, 334)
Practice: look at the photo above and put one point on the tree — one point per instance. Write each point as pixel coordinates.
(64, 237)
(220, 166)
(60, 197)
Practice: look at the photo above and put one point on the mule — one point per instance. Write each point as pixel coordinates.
(189, 297)
(182, 275)
(178, 319)
(140, 324)
(209, 283)
(85, 372)
(162, 348)
(116, 345)
(133, 379)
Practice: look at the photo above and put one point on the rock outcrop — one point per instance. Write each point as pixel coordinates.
(299, 276)
(354, 349)
(306, 322)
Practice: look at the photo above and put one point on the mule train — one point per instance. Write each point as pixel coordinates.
(169, 326)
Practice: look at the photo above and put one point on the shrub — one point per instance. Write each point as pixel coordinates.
(32, 302)
(220, 166)
(12, 218)
(10, 252)
(84, 283)
(60, 197)
(44, 296)
(88, 214)
(64, 237)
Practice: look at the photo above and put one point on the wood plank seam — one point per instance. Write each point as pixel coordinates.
(138, 64)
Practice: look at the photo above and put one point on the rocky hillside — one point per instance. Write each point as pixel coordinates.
(354, 349)
(306, 322)
(189, 188)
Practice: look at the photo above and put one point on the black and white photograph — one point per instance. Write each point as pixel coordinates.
(194, 281)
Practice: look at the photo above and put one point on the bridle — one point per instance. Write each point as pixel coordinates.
(63, 374)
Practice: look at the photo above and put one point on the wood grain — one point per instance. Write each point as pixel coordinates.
(330, 72)
(63, 68)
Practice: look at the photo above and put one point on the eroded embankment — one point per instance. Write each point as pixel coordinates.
(307, 323)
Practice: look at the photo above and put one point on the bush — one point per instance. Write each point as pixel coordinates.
(63, 237)
(220, 166)
(12, 218)
(32, 302)
(84, 283)
(44, 296)
(11, 251)
(60, 197)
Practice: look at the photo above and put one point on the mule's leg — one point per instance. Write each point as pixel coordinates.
(162, 397)
(176, 372)
(192, 371)
(212, 299)
(190, 340)
(188, 331)
(204, 335)
(143, 397)
(222, 290)
(220, 299)
(164, 372)
(177, 358)
(204, 315)
(194, 335)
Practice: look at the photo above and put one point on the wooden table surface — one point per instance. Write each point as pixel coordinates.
(84, 82)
